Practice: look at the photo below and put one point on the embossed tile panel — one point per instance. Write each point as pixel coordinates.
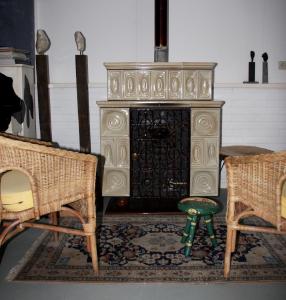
(204, 182)
(116, 182)
(115, 122)
(115, 148)
(205, 143)
(161, 81)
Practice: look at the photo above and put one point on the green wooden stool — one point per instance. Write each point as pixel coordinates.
(197, 207)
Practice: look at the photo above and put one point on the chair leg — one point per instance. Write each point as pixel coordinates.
(228, 251)
(55, 221)
(209, 224)
(93, 251)
(186, 230)
(234, 238)
(190, 238)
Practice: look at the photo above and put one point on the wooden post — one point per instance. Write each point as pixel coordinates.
(42, 66)
(83, 102)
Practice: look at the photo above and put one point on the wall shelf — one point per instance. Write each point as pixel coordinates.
(251, 85)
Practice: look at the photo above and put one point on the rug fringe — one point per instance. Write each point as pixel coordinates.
(29, 253)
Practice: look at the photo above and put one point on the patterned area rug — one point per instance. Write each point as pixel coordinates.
(148, 249)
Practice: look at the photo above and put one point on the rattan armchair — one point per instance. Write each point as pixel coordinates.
(60, 180)
(254, 189)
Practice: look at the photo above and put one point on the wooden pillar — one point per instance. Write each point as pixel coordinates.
(83, 102)
(42, 67)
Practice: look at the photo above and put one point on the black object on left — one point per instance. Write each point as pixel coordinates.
(10, 103)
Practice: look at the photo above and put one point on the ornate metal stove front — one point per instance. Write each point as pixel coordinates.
(160, 155)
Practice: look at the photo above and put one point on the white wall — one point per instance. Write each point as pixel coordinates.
(115, 30)
(253, 116)
(225, 31)
(222, 31)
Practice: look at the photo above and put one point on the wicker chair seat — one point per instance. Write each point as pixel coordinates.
(16, 193)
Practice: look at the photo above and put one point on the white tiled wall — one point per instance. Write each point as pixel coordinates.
(253, 116)
(64, 115)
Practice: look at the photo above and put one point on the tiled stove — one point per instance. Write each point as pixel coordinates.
(159, 99)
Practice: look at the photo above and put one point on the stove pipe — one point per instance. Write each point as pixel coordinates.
(161, 52)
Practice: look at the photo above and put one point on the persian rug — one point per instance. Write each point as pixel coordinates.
(147, 248)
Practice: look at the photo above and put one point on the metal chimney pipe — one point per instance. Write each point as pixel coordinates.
(161, 51)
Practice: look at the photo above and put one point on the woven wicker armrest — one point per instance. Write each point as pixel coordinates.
(58, 176)
(28, 139)
(256, 182)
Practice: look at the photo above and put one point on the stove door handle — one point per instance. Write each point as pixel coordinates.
(177, 182)
(135, 156)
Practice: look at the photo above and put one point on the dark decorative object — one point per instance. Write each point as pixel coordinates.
(265, 68)
(251, 69)
(81, 62)
(42, 67)
(28, 99)
(27, 106)
(161, 31)
(10, 103)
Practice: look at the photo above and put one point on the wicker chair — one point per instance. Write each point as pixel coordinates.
(254, 189)
(60, 180)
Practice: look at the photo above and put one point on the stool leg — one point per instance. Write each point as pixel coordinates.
(186, 230)
(209, 223)
(190, 238)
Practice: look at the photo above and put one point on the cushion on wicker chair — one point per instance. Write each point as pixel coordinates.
(16, 193)
(283, 201)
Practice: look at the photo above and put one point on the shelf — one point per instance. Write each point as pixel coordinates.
(250, 85)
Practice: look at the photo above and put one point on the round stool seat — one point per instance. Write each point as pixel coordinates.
(198, 206)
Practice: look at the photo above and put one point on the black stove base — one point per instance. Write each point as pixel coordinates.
(126, 205)
(141, 205)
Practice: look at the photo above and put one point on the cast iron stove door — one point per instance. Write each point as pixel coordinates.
(160, 156)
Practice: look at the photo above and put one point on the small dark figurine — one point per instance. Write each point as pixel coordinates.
(252, 54)
(10, 103)
(251, 69)
(265, 56)
(265, 68)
